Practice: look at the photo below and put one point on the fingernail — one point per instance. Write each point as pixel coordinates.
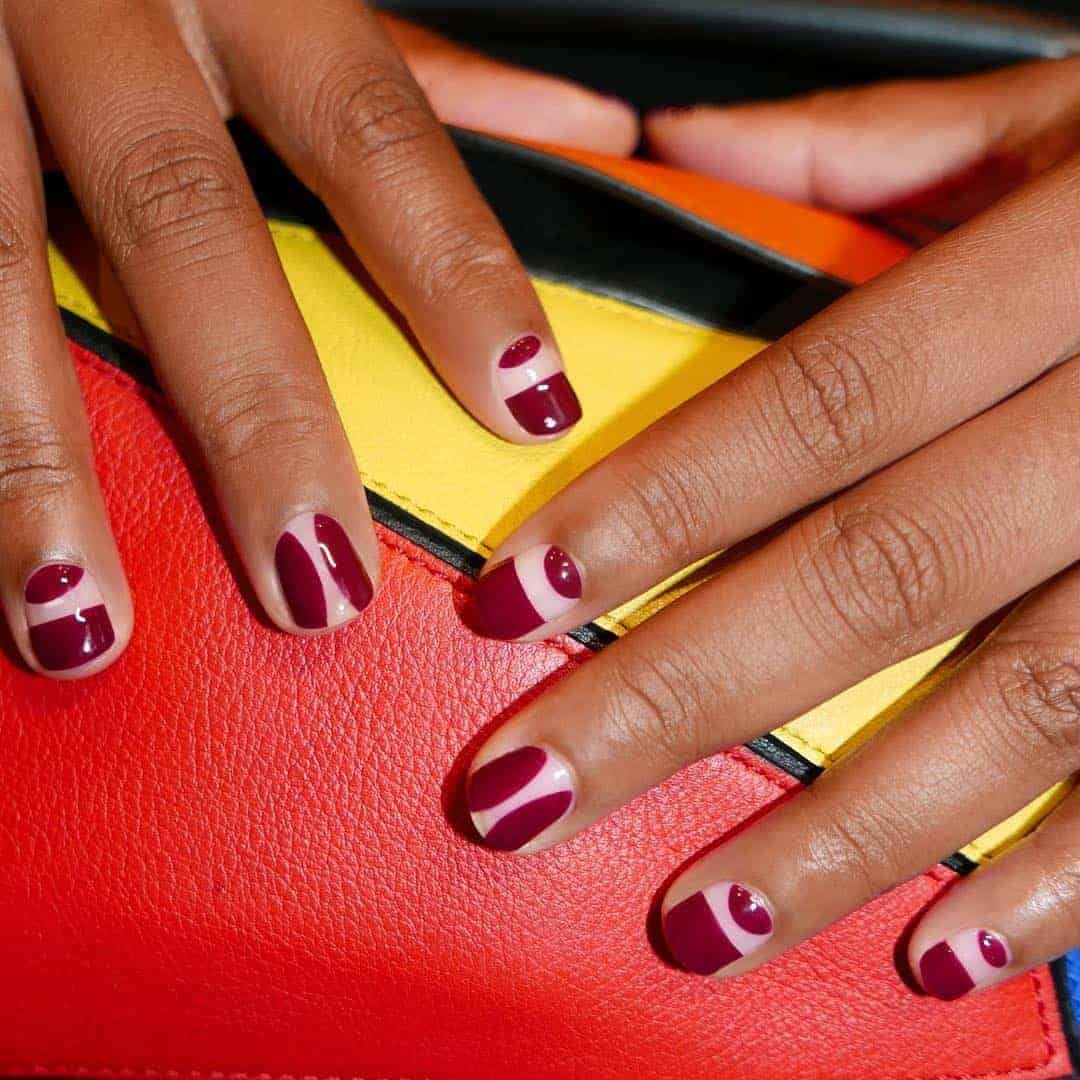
(67, 618)
(963, 961)
(323, 580)
(536, 389)
(514, 798)
(526, 591)
(716, 926)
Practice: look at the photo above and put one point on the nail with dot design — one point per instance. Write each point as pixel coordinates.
(535, 388)
(526, 591)
(322, 578)
(961, 962)
(516, 797)
(66, 616)
(716, 926)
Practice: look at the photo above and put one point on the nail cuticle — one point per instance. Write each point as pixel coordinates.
(963, 961)
(67, 619)
(717, 925)
(526, 591)
(515, 797)
(535, 388)
(322, 579)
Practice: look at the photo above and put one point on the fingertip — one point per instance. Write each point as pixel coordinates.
(321, 583)
(74, 623)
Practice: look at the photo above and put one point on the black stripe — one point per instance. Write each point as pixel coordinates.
(960, 863)
(1068, 1016)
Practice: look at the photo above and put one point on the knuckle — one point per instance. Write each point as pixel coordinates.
(169, 189)
(459, 261)
(365, 112)
(656, 707)
(826, 400)
(16, 248)
(35, 461)
(883, 572)
(252, 417)
(664, 503)
(863, 847)
(1038, 689)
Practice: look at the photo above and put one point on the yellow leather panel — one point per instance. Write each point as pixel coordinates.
(418, 449)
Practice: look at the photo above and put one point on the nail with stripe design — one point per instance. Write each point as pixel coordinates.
(321, 575)
(526, 591)
(66, 616)
(519, 795)
(535, 388)
(716, 926)
(963, 961)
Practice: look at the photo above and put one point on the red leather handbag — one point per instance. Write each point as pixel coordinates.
(240, 853)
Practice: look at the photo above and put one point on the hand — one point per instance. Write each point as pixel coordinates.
(926, 431)
(132, 96)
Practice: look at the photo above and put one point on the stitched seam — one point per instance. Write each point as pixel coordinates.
(452, 579)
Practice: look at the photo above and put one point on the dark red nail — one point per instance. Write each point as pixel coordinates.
(519, 594)
(716, 926)
(515, 797)
(321, 576)
(963, 961)
(66, 616)
(536, 389)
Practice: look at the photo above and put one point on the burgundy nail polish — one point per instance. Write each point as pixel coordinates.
(515, 797)
(716, 926)
(536, 389)
(526, 591)
(321, 575)
(66, 616)
(963, 961)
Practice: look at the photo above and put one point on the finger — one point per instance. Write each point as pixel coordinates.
(860, 149)
(885, 370)
(161, 185)
(1015, 912)
(471, 90)
(904, 561)
(986, 743)
(329, 92)
(63, 587)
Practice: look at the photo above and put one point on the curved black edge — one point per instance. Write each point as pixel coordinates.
(110, 349)
(992, 34)
(466, 139)
(1069, 1027)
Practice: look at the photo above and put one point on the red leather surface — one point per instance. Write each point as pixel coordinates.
(242, 852)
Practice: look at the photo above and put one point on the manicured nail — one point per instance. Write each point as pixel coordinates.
(323, 580)
(536, 389)
(963, 961)
(526, 591)
(67, 618)
(514, 798)
(716, 926)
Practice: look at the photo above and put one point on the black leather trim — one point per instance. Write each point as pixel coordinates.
(1069, 1019)
(908, 32)
(572, 224)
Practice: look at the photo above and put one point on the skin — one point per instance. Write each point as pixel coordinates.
(139, 133)
(916, 443)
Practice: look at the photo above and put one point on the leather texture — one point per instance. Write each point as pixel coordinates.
(244, 853)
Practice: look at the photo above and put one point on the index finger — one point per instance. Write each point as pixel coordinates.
(888, 368)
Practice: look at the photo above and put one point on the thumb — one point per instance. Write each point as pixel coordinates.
(473, 91)
(872, 148)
